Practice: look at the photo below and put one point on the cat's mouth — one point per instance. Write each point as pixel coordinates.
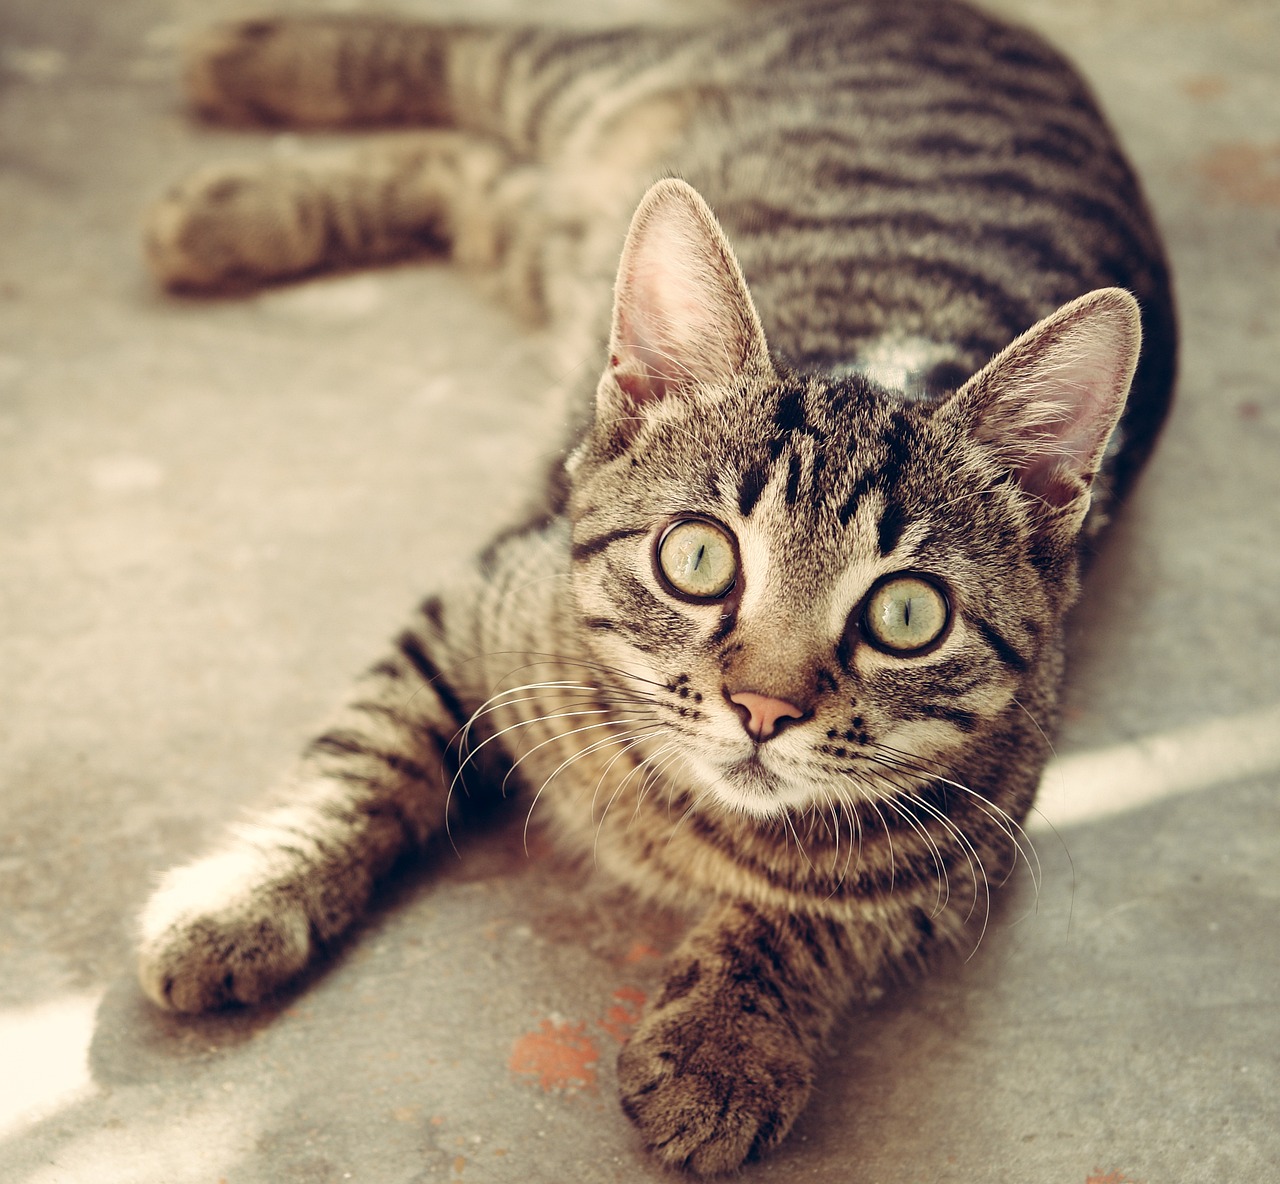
(750, 786)
(753, 783)
(751, 775)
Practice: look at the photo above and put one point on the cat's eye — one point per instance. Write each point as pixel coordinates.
(905, 614)
(697, 559)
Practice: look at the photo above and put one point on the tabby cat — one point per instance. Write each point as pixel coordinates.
(782, 647)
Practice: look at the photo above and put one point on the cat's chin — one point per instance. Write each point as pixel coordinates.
(749, 787)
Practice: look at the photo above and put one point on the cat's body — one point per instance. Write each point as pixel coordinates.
(820, 743)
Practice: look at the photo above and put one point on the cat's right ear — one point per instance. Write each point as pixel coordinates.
(683, 319)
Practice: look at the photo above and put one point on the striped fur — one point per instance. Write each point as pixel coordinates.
(899, 348)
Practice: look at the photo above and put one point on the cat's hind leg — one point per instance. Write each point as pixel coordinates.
(330, 70)
(527, 86)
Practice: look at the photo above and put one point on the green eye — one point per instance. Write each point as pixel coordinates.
(905, 614)
(698, 559)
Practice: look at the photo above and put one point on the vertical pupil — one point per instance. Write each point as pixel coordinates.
(697, 559)
(906, 612)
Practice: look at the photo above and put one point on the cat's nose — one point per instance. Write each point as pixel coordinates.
(762, 716)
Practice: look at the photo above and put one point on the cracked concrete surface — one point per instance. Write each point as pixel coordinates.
(211, 512)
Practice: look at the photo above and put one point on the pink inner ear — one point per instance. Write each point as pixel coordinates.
(682, 314)
(1050, 402)
(666, 329)
(1063, 454)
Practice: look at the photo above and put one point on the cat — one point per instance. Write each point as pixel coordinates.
(891, 336)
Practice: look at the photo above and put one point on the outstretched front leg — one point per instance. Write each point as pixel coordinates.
(239, 923)
(242, 224)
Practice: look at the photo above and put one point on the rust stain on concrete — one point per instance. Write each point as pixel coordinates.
(639, 952)
(560, 1057)
(624, 1013)
(1244, 172)
(1099, 1177)
(1205, 86)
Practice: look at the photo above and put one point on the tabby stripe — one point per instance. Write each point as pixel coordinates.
(1003, 649)
(384, 710)
(925, 59)
(433, 610)
(860, 490)
(500, 73)
(898, 442)
(588, 56)
(722, 630)
(940, 143)
(790, 414)
(680, 984)
(754, 961)
(535, 524)
(633, 638)
(962, 721)
(942, 680)
(418, 728)
(1054, 145)
(551, 84)
(412, 649)
(819, 465)
(1045, 250)
(636, 603)
(864, 881)
(344, 743)
(1004, 182)
(593, 546)
(953, 278)
(807, 934)
(793, 479)
(892, 523)
(753, 482)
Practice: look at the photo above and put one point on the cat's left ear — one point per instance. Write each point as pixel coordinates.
(1048, 403)
(682, 315)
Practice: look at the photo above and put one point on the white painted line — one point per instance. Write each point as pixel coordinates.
(1090, 785)
(45, 1053)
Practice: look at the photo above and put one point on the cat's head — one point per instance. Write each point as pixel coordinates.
(814, 587)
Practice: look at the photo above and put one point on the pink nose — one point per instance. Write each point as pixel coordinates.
(760, 714)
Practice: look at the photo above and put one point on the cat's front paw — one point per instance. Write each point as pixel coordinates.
(713, 1083)
(221, 931)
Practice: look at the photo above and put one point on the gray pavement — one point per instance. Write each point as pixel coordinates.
(211, 513)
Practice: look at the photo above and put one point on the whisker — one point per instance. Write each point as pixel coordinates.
(552, 740)
(657, 771)
(643, 763)
(634, 742)
(786, 818)
(976, 868)
(1004, 821)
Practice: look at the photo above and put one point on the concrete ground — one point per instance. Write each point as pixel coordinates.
(211, 512)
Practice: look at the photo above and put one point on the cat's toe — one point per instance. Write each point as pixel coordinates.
(213, 935)
(707, 1100)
